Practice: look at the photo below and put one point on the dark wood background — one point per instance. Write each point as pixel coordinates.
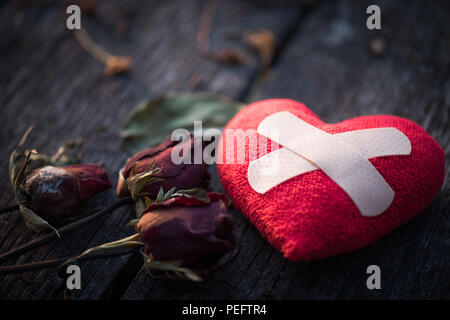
(323, 58)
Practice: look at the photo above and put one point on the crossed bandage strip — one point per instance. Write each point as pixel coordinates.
(343, 157)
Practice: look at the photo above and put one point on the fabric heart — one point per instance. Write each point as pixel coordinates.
(310, 216)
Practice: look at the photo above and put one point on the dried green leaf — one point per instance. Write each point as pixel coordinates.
(198, 193)
(139, 181)
(20, 172)
(16, 158)
(151, 122)
(34, 222)
(147, 201)
(191, 275)
(64, 156)
(170, 193)
(160, 195)
(66, 152)
(140, 207)
(133, 222)
(130, 242)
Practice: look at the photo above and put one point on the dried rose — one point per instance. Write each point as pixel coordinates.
(181, 237)
(49, 189)
(63, 157)
(185, 229)
(54, 193)
(155, 165)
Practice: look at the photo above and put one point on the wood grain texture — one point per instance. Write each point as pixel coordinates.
(323, 60)
(47, 80)
(328, 65)
(338, 77)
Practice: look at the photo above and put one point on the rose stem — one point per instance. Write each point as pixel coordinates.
(33, 266)
(9, 209)
(65, 229)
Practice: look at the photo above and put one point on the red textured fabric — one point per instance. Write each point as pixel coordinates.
(310, 216)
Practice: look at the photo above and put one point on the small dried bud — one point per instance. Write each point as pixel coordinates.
(180, 176)
(193, 232)
(55, 192)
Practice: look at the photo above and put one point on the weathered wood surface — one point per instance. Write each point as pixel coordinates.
(49, 81)
(323, 60)
(328, 65)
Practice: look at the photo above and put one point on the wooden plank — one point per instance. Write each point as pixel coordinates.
(328, 65)
(49, 81)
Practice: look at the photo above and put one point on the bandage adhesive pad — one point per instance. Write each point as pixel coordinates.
(315, 190)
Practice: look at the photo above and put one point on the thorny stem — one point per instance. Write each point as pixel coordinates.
(65, 229)
(33, 266)
(111, 249)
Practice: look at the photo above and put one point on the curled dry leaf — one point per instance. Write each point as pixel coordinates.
(34, 222)
(264, 43)
(150, 122)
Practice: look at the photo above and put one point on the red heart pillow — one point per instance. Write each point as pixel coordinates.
(309, 216)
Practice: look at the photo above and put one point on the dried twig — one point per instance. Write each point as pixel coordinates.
(264, 43)
(33, 266)
(113, 64)
(230, 56)
(65, 229)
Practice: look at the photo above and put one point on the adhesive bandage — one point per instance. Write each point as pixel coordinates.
(343, 157)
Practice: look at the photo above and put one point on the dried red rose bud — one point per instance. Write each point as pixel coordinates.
(180, 176)
(55, 192)
(182, 237)
(197, 233)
